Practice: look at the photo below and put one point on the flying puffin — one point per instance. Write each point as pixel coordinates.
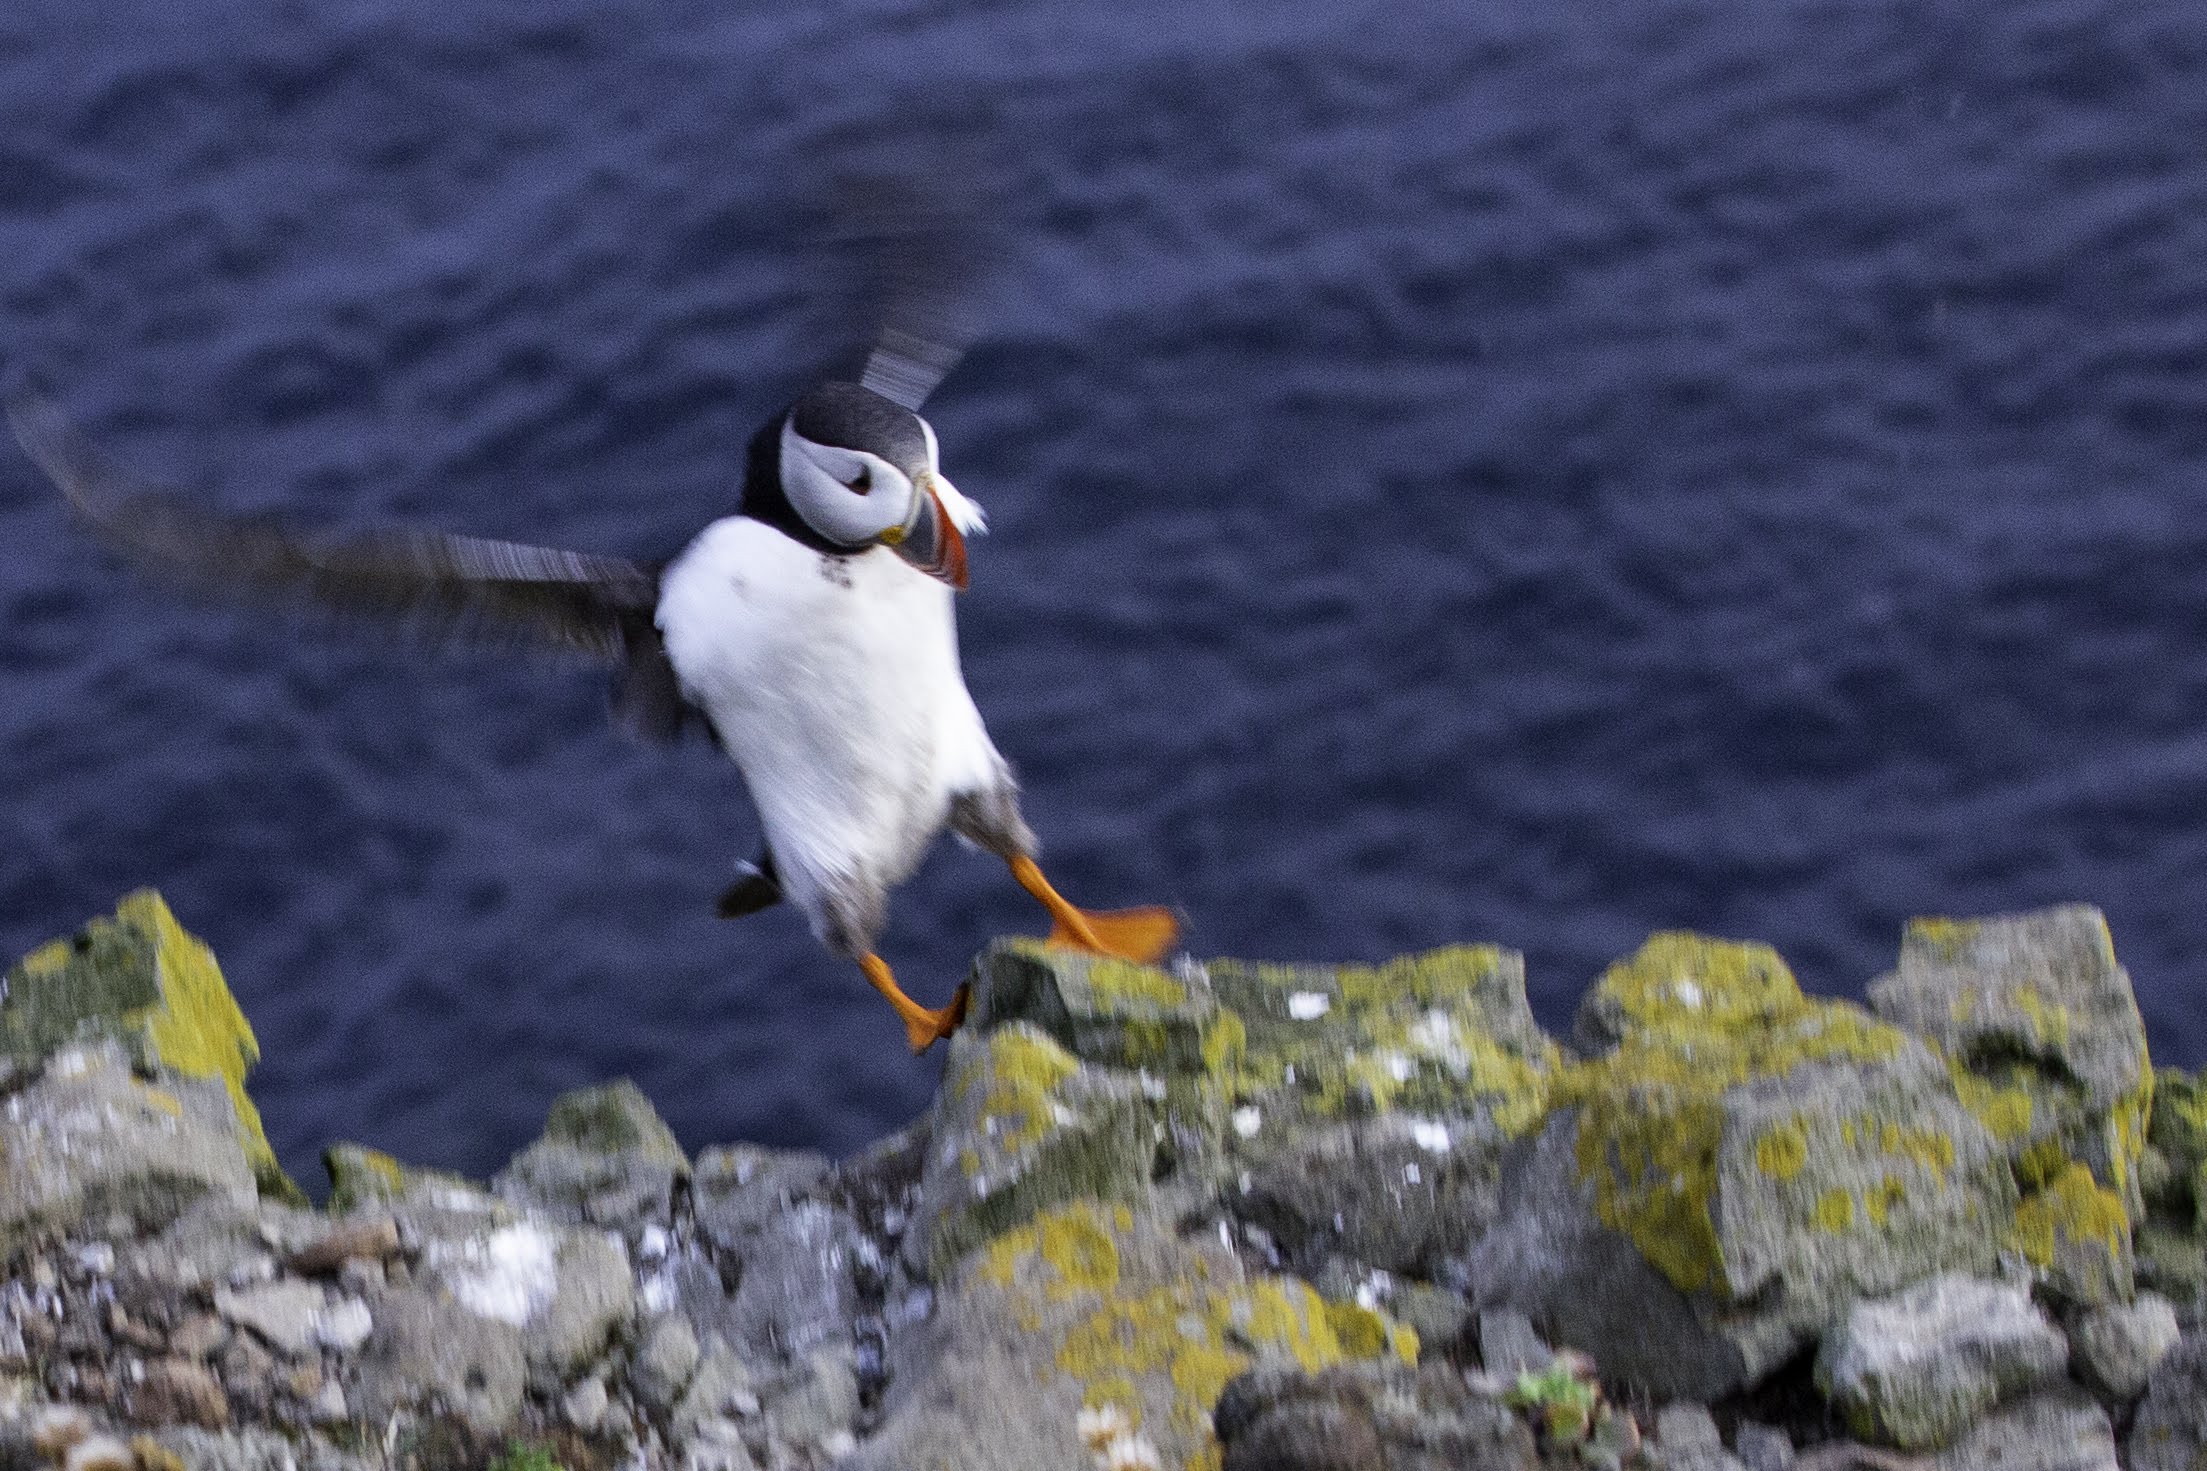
(812, 632)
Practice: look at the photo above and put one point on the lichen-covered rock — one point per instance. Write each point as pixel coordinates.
(1738, 1165)
(2075, 1232)
(1097, 1308)
(1917, 1369)
(432, 1352)
(363, 1177)
(2170, 1433)
(2115, 1349)
(605, 1158)
(1099, 1009)
(1377, 1416)
(141, 980)
(2042, 1030)
(1021, 1125)
(2059, 1430)
(90, 1137)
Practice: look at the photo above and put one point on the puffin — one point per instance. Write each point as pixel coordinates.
(811, 632)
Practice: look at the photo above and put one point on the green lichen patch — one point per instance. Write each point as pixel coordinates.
(141, 979)
(613, 1118)
(2077, 1234)
(1102, 1010)
(362, 1176)
(1021, 1126)
(1155, 1330)
(1740, 1133)
(1446, 1032)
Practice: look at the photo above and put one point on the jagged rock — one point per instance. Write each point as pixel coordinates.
(605, 1158)
(1916, 1369)
(820, 1405)
(89, 1138)
(363, 1177)
(1101, 1010)
(286, 1315)
(1090, 1306)
(430, 1351)
(666, 1358)
(594, 1294)
(1763, 1447)
(1022, 1125)
(721, 1386)
(2170, 1433)
(1367, 1417)
(1741, 1164)
(2115, 1349)
(179, 1391)
(2061, 1430)
(140, 980)
(1687, 1439)
(1367, 1108)
(2042, 1030)
(773, 1223)
(245, 1448)
(1509, 1345)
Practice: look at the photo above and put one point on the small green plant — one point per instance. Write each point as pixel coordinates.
(1565, 1402)
(519, 1457)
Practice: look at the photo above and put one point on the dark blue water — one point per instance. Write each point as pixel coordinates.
(1535, 473)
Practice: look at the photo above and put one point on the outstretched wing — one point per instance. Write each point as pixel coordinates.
(441, 586)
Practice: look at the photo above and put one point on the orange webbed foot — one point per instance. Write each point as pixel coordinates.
(1144, 936)
(1141, 935)
(923, 1027)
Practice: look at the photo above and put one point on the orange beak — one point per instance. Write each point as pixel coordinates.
(933, 543)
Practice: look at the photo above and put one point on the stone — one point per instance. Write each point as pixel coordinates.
(1740, 1164)
(799, 1287)
(2170, 1431)
(286, 1314)
(1685, 1426)
(2115, 1349)
(429, 1351)
(199, 1336)
(344, 1325)
(1438, 1315)
(1509, 1345)
(665, 1360)
(1366, 1417)
(141, 981)
(89, 1138)
(593, 1295)
(2040, 1025)
(1917, 1369)
(2061, 1430)
(373, 1240)
(179, 1391)
(361, 1177)
(1101, 1010)
(584, 1406)
(1022, 1125)
(605, 1158)
(100, 1453)
(721, 1386)
(823, 1403)
(1763, 1447)
(1091, 1306)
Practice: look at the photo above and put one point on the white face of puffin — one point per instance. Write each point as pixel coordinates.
(856, 499)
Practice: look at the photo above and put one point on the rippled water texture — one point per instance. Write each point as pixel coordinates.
(1535, 473)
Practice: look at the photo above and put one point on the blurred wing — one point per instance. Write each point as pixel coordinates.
(449, 586)
(914, 242)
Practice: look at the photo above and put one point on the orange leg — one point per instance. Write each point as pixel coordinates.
(1140, 935)
(922, 1028)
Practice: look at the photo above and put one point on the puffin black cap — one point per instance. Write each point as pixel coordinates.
(846, 416)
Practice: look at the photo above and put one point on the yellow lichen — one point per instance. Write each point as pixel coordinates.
(1946, 939)
(2049, 1020)
(2073, 1208)
(1782, 1150)
(1933, 1149)
(1835, 1210)
(1706, 1015)
(2005, 1112)
(1121, 981)
(1878, 1204)
(2038, 1165)
(1024, 1070)
(1225, 1043)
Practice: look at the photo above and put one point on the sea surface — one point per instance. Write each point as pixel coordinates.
(1535, 473)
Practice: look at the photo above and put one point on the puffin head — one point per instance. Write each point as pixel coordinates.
(861, 470)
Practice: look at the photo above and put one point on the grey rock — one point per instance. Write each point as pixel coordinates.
(2035, 1001)
(665, 1360)
(1509, 1344)
(248, 1448)
(429, 1350)
(823, 1403)
(2115, 1349)
(179, 1391)
(722, 1386)
(2062, 1430)
(1438, 1315)
(1380, 1417)
(605, 1158)
(594, 1295)
(89, 1139)
(286, 1315)
(1399, 1191)
(1102, 1011)
(1721, 1186)
(1683, 1425)
(1022, 1125)
(584, 1406)
(344, 1325)
(799, 1287)
(2170, 1432)
(1916, 1369)
(1763, 1447)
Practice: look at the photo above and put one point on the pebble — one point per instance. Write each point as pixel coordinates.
(100, 1453)
(584, 1406)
